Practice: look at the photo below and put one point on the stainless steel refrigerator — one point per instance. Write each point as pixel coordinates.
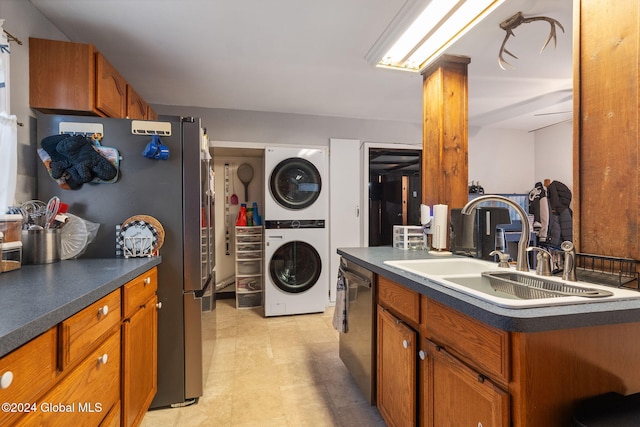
(178, 192)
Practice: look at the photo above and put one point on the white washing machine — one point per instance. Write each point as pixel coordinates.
(296, 267)
(296, 183)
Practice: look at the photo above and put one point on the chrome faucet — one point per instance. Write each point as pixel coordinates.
(543, 266)
(569, 269)
(522, 263)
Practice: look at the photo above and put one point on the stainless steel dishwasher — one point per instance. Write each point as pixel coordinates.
(357, 346)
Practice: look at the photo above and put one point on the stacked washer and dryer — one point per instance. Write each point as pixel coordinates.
(296, 234)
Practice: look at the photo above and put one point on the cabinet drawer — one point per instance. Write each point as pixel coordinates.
(32, 370)
(138, 291)
(403, 301)
(81, 331)
(477, 344)
(86, 395)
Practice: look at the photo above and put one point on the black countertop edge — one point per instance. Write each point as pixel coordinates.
(35, 298)
(534, 319)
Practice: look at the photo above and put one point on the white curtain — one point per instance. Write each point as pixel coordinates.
(8, 131)
(4, 70)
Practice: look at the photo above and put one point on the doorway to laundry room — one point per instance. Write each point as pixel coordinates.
(239, 187)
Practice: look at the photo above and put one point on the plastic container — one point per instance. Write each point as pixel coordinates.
(408, 237)
(41, 246)
(250, 217)
(10, 256)
(11, 227)
(242, 216)
(256, 217)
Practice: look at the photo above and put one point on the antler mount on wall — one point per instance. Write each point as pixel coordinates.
(515, 21)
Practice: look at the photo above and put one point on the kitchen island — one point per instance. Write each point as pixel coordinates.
(476, 363)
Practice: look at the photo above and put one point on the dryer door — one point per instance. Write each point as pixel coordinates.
(295, 183)
(295, 267)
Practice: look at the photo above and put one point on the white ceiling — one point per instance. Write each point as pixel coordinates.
(307, 57)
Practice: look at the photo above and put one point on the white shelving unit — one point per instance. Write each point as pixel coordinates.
(249, 262)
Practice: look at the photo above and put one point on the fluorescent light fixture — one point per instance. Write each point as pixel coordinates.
(438, 26)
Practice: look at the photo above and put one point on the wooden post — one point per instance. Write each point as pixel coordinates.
(607, 129)
(445, 163)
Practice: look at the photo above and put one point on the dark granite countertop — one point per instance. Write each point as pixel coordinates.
(514, 320)
(37, 297)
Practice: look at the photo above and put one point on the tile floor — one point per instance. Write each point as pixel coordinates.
(277, 371)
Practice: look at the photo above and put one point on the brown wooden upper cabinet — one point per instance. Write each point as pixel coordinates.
(76, 79)
(137, 108)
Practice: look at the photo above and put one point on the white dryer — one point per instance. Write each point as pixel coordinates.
(296, 267)
(296, 183)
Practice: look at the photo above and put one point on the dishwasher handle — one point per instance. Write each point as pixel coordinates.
(356, 278)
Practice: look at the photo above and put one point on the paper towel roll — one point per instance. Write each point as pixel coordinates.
(439, 226)
(425, 214)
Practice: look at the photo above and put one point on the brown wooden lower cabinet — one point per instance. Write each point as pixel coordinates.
(458, 371)
(456, 395)
(96, 368)
(86, 395)
(139, 362)
(397, 370)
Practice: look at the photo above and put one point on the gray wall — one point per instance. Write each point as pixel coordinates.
(281, 128)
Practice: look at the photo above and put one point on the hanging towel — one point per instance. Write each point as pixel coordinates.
(341, 312)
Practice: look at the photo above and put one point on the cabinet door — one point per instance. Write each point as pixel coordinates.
(61, 76)
(139, 380)
(396, 370)
(137, 107)
(459, 396)
(111, 89)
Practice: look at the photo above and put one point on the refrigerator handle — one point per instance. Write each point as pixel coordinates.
(200, 293)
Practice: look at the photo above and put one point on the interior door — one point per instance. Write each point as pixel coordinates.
(344, 202)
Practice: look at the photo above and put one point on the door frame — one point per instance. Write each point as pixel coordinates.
(364, 202)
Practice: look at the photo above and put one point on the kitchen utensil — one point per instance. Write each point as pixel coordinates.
(73, 237)
(33, 213)
(234, 196)
(53, 206)
(245, 174)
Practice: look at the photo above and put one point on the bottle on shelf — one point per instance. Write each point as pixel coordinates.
(242, 216)
(250, 217)
(256, 215)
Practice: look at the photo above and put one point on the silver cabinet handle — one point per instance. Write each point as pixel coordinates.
(104, 310)
(422, 355)
(6, 379)
(405, 343)
(159, 305)
(103, 359)
(147, 280)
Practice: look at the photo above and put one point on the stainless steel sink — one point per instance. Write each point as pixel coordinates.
(534, 287)
(523, 290)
